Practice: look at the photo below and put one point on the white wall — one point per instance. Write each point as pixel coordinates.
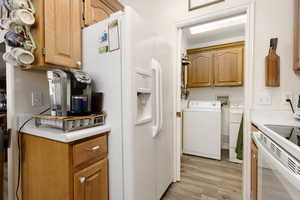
(199, 44)
(27, 82)
(274, 20)
(184, 43)
(236, 94)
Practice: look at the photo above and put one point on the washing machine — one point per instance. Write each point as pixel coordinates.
(202, 129)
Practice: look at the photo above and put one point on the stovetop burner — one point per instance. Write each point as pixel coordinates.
(290, 133)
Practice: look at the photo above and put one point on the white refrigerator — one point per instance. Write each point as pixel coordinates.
(131, 78)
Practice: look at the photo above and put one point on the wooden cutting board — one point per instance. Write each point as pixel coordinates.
(273, 65)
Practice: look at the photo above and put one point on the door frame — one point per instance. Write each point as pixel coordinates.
(12, 152)
(249, 9)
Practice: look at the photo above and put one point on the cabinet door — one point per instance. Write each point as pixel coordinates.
(98, 10)
(228, 67)
(95, 11)
(63, 32)
(200, 70)
(91, 183)
(254, 174)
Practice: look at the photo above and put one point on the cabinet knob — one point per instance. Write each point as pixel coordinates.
(82, 179)
(78, 63)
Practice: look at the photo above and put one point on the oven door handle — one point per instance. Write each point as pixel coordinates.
(283, 170)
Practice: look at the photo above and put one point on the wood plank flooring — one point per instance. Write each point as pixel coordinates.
(206, 179)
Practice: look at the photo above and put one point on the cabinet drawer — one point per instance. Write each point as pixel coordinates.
(89, 150)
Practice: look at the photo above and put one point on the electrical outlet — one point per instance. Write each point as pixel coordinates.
(264, 99)
(37, 98)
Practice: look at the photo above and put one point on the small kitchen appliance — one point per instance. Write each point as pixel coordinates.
(70, 92)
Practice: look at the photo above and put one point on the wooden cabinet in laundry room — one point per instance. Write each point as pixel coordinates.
(216, 66)
(200, 73)
(228, 67)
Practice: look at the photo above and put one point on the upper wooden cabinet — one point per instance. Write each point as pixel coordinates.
(57, 31)
(218, 66)
(200, 73)
(63, 32)
(98, 10)
(297, 37)
(228, 67)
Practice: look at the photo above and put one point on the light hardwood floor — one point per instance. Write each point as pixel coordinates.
(205, 179)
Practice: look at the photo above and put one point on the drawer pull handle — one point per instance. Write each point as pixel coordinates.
(93, 148)
(82, 179)
(78, 63)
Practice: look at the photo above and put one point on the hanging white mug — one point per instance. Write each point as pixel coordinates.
(16, 4)
(22, 17)
(2, 35)
(9, 58)
(22, 56)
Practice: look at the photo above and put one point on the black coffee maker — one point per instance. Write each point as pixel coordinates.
(79, 98)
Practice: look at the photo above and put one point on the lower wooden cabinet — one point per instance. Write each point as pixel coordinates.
(254, 171)
(91, 182)
(49, 170)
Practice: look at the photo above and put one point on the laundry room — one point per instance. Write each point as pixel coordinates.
(212, 97)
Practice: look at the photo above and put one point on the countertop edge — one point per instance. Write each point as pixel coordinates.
(66, 137)
(285, 144)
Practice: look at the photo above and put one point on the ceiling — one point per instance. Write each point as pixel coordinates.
(219, 34)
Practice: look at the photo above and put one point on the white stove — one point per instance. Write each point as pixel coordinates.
(278, 166)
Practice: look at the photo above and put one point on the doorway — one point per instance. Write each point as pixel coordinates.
(181, 159)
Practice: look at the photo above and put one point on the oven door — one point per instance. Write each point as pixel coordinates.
(275, 181)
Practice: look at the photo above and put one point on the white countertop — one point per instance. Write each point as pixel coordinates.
(281, 118)
(61, 136)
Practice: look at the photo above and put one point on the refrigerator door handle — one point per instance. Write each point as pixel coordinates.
(158, 98)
